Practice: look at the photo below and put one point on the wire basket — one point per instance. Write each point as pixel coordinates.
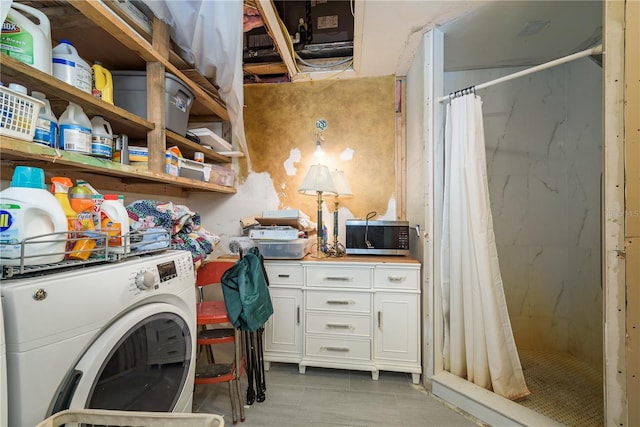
(101, 417)
(19, 114)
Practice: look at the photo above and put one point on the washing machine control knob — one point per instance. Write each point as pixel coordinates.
(145, 280)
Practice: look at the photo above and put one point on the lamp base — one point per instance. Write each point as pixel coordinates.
(319, 255)
(319, 252)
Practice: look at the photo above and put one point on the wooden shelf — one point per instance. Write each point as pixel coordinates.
(108, 21)
(60, 94)
(17, 152)
(188, 148)
(100, 35)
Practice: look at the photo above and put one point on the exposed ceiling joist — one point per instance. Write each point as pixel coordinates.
(272, 21)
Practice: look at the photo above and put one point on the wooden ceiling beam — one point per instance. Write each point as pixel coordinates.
(280, 39)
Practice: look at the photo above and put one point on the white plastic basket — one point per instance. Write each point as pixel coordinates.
(101, 417)
(18, 114)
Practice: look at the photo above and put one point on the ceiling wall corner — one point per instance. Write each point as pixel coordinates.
(358, 34)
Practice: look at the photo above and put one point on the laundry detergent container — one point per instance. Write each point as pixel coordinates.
(130, 93)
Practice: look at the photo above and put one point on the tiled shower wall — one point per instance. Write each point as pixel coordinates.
(543, 136)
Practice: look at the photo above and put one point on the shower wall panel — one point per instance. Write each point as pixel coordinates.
(543, 139)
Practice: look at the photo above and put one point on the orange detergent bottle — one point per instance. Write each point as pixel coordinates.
(60, 189)
(81, 201)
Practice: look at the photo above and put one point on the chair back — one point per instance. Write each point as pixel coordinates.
(210, 273)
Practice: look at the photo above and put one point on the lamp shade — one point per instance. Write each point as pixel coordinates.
(342, 186)
(318, 179)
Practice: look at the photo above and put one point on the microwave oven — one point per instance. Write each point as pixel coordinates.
(379, 237)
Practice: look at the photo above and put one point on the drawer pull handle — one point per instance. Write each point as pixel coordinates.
(341, 349)
(339, 302)
(284, 276)
(339, 326)
(339, 278)
(396, 279)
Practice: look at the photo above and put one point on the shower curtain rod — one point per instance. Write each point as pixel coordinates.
(588, 52)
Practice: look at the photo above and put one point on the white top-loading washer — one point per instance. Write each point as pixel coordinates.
(112, 336)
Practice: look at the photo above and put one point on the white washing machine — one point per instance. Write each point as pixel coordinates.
(110, 336)
(3, 375)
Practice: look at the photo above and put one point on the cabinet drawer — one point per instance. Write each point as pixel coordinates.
(282, 274)
(345, 302)
(334, 324)
(339, 276)
(396, 278)
(339, 348)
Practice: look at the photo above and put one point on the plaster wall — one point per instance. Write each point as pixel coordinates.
(280, 130)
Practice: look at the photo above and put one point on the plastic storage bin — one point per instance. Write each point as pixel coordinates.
(101, 417)
(284, 249)
(222, 176)
(130, 93)
(194, 170)
(18, 114)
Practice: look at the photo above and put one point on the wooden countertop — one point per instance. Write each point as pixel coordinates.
(395, 259)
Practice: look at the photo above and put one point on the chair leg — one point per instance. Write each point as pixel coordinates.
(261, 384)
(234, 410)
(251, 395)
(238, 370)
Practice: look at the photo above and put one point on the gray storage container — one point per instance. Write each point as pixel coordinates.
(130, 93)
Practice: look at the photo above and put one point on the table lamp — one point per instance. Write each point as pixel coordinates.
(317, 182)
(343, 190)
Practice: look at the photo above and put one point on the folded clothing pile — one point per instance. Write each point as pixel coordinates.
(184, 224)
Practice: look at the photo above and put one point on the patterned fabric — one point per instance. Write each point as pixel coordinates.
(187, 232)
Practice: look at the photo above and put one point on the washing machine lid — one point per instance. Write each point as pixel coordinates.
(143, 362)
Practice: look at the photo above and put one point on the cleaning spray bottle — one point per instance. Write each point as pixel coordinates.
(81, 201)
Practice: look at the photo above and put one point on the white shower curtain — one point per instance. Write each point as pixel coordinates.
(478, 340)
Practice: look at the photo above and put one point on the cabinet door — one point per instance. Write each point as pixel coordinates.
(283, 331)
(396, 332)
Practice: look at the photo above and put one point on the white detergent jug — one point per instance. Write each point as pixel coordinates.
(69, 67)
(75, 130)
(28, 210)
(102, 138)
(25, 40)
(114, 220)
(47, 124)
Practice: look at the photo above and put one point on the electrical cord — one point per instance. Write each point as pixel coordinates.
(366, 228)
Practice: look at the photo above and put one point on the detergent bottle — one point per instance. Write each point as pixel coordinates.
(97, 197)
(102, 83)
(75, 130)
(47, 124)
(60, 186)
(115, 222)
(81, 201)
(69, 67)
(25, 40)
(102, 138)
(28, 210)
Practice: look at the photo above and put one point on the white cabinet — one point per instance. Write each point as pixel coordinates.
(396, 313)
(396, 335)
(345, 314)
(337, 311)
(283, 330)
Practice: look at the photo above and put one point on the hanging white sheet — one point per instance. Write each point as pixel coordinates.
(211, 33)
(479, 343)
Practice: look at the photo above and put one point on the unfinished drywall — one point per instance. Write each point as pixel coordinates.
(359, 138)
